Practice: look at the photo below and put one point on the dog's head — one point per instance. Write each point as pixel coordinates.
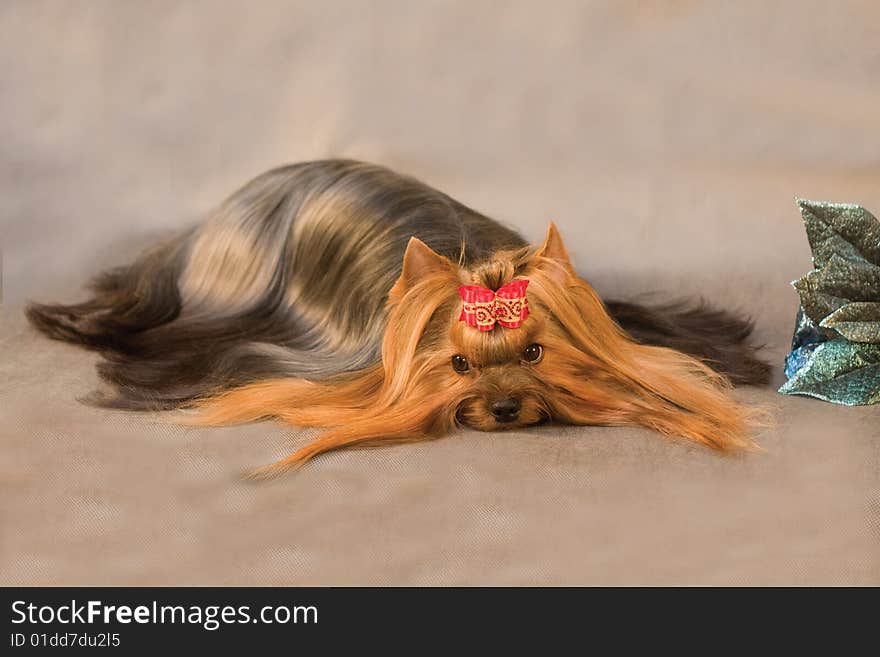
(563, 359)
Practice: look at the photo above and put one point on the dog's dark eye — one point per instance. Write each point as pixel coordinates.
(533, 353)
(460, 364)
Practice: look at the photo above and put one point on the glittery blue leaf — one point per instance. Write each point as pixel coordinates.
(839, 371)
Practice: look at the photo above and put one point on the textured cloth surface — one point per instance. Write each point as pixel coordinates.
(666, 139)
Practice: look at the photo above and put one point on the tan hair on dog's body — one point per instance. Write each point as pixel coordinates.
(591, 371)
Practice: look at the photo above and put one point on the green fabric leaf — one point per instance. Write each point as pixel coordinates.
(858, 321)
(844, 229)
(816, 303)
(839, 371)
(824, 291)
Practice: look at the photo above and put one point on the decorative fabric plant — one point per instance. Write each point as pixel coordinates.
(835, 353)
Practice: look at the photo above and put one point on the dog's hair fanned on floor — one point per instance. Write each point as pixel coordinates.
(334, 294)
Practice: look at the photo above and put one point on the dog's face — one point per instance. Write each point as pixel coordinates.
(508, 378)
(495, 379)
(498, 374)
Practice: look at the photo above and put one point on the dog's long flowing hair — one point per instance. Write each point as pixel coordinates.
(325, 294)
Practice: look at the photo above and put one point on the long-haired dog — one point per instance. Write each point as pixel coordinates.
(340, 294)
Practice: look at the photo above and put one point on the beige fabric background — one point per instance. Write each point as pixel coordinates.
(667, 140)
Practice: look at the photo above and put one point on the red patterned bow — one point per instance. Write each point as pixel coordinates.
(481, 307)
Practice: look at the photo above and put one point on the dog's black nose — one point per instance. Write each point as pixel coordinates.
(506, 410)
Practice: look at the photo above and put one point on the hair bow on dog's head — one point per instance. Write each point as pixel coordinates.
(482, 308)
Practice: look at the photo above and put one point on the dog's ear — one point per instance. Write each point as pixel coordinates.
(552, 257)
(420, 262)
(553, 246)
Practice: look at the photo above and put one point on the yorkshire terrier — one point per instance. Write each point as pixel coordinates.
(343, 295)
